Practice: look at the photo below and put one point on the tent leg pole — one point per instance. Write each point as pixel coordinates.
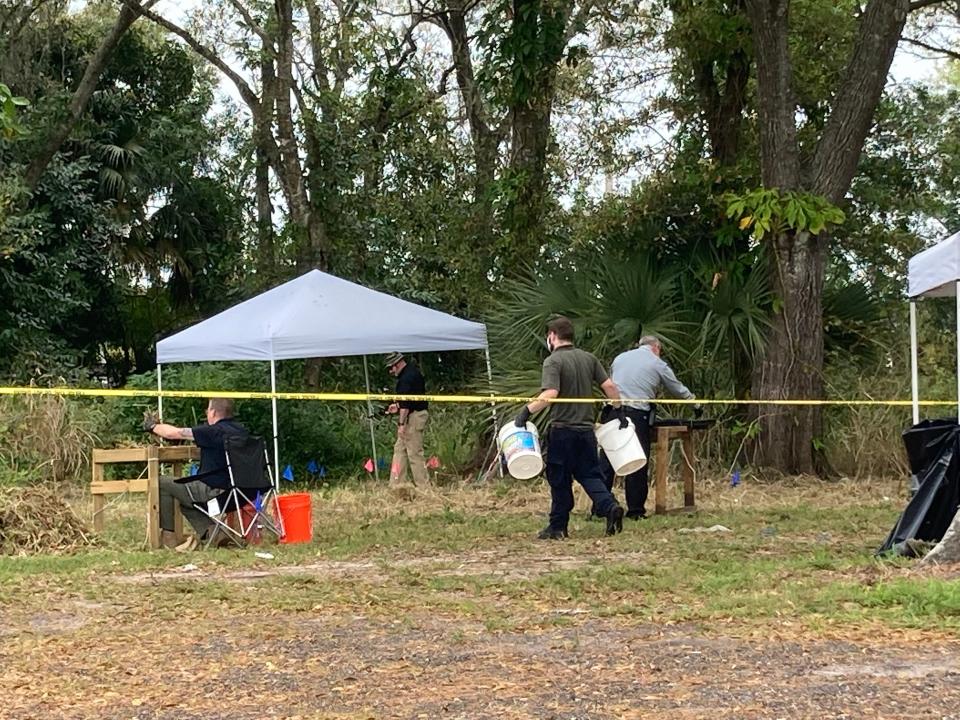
(914, 369)
(276, 442)
(373, 435)
(160, 391)
(493, 405)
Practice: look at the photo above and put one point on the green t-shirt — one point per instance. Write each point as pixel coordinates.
(573, 373)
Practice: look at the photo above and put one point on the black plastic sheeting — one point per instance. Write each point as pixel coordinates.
(933, 451)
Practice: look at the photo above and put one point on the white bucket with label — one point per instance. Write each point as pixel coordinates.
(622, 447)
(520, 448)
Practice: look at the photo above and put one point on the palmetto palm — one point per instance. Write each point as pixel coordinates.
(711, 318)
(735, 307)
(610, 302)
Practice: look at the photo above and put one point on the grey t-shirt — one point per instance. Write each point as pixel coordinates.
(640, 373)
(573, 373)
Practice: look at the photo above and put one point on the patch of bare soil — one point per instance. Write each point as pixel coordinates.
(508, 566)
(89, 660)
(158, 648)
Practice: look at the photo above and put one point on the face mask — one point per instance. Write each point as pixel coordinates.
(549, 345)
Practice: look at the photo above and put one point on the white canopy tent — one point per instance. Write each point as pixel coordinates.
(319, 315)
(935, 272)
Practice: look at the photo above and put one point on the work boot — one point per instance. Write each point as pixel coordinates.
(615, 520)
(168, 539)
(549, 533)
(636, 515)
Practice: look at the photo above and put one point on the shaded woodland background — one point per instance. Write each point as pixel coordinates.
(737, 176)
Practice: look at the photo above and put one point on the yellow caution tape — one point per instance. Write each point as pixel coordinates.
(363, 397)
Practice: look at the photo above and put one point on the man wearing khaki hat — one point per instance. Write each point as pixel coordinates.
(411, 421)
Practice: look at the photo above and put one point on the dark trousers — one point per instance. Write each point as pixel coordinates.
(195, 491)
(572, 453)
(636, 484)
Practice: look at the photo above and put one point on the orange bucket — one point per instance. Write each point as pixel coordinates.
(297, 516)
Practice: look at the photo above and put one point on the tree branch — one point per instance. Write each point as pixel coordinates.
(81, 96)
(855, 100)
(920, 4)
(253, 24)
(576, 19)
(939, 50)
(246, 92)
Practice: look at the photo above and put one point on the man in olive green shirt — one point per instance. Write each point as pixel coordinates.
(570, 372)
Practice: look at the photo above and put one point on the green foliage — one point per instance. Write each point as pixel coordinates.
(852, 317)
(10, 126)
(706, 324)
(772, 212)
(53, 269)
(126, 203)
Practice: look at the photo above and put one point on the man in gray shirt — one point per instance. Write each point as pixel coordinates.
(640, 374)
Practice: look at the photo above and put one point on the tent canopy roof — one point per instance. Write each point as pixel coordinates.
(935, 271)
(320, 315)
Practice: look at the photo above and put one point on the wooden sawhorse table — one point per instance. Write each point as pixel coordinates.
(665, 435)
(153, 456)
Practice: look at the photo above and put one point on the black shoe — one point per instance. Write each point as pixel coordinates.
(634, 515)
(615, 520)
(549, 533)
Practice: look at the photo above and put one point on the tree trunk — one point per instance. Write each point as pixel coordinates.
(779, 151)
(81, 96)
(792, 366)
(793, 363)
(262, 138)
(486, 137)
(528, 160)
(266, 254)
(314, 250)
(538, 37)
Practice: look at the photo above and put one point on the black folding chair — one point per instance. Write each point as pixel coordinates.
(251, 485)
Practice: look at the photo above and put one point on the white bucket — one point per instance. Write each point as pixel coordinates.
(622, 447)
(521, 450)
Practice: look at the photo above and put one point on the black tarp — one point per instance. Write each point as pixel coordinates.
(933, 451)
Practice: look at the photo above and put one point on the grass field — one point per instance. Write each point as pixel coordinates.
(446, 606)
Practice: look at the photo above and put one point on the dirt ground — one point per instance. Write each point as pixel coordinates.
(133, 654)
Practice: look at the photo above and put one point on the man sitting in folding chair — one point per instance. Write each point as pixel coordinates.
(212, 482)
(250, 495)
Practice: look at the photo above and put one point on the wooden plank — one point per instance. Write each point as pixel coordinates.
(167, 453)
(119, 455)
(689, 464)
(99, 502)
(170, 453)
(662, 456)
(153, 497)
(112, 487)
